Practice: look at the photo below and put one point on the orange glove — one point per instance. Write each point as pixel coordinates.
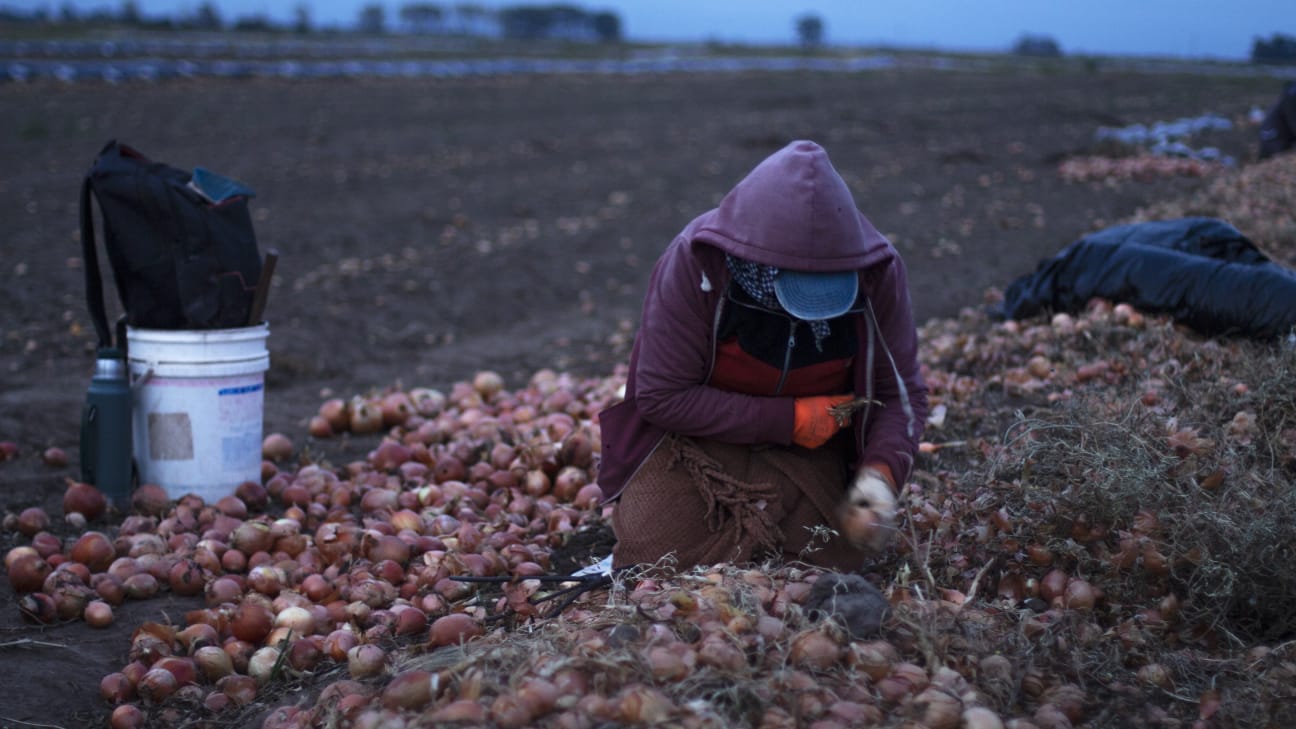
(813, 422)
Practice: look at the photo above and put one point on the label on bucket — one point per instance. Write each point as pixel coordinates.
(170, 437)
(200, 435)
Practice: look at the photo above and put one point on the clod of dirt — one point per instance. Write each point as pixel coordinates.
(852, 600)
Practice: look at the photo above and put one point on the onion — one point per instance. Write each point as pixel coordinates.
(338, 643)
(569, 481)
(253, 494)
(261, 666)
(266, 579)
(84, 499)
(979, 717)
(590, 496)
(186, 578)
(276, 447)
(251, 537)
(241, 690)
(411, 690)
(508, 711)
(140, 586)
(297, 619)
(366, 660)
(1079, 595)
(459, 711)
(453, 629)
(938, 709)
(198, 635)
(28, 571)
(213, 662)
(94, 550)
(577, 449)
(388, 548)
(251, 622)
(814, 650)
(409, 620)
(32, 520)
(126, 716)
(320, 427)
(365, 416)
(150, 499)
(1053, 585)
(183, 668)
(639, 704)
(396, 407)
(216, 702)
(239, 651)
(116, 687)
(157, 685)
(47, 546)
(304, 654)
(98, 614)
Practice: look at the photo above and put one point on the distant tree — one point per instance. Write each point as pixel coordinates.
(130, 13)
(810, 31)
(607, 26)
(422, 17)
(68, 13)
(302, 19)
(1038, 46)
(207, 17)
(373, 19)
(566, 22)
(254, 24)
(1278, 49)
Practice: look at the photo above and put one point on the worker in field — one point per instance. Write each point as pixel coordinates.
(774, 403)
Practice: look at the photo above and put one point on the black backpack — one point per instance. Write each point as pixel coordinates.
(181, 245)
(1278, 130)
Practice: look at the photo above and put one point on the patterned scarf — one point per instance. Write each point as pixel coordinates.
(757, 281)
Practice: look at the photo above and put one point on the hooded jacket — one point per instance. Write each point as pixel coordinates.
(792, 211)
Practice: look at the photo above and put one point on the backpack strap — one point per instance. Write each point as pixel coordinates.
(94, 285)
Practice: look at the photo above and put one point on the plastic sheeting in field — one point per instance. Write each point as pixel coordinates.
(1202, 271)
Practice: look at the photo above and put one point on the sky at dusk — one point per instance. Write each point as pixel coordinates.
(1221, 29)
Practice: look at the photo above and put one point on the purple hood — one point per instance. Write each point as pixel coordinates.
(792, 211)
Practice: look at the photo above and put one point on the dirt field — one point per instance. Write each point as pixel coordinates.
(429, 229)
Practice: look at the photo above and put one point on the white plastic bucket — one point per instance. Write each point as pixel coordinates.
(198, 407)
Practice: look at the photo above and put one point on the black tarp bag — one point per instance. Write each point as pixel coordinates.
(1203, 272)
(181, 245)
(1278, 129)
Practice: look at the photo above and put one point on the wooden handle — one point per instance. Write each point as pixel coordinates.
(262, 287)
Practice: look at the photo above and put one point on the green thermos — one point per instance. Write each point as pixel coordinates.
(106, 443)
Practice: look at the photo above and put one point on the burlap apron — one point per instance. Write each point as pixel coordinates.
(702, 502)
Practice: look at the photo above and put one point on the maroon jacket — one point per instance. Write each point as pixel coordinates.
(792, 211)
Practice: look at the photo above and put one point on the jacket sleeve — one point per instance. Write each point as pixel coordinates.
(675, 357)
(894, 431)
